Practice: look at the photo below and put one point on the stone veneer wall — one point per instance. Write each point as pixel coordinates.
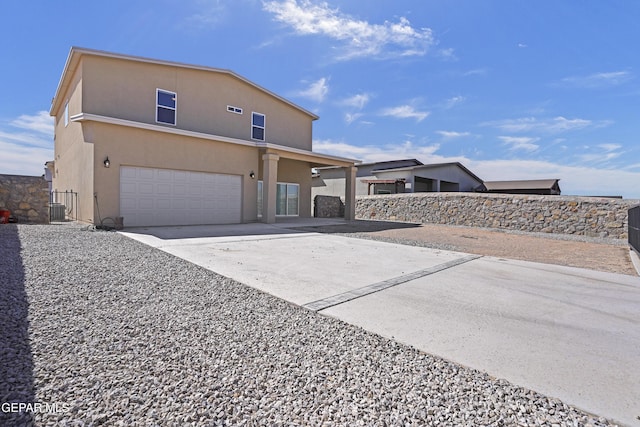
(328, 207)
(27, 197)
(586, 216)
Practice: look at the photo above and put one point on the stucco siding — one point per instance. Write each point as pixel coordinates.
(143, 148)
(73, 155)
(298, 173)
(127, 90)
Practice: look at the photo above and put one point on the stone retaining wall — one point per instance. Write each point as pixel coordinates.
(586, 216)
(27, 197)
(328, 207)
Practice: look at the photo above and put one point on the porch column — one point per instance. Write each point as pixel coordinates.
(350, 193)
(269, 187)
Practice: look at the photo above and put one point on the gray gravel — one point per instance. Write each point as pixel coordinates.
(116, 333)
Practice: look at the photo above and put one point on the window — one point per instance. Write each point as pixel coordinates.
(66, 114)
(257, 126)
(287, 199)
(232, 109)
(166, 107)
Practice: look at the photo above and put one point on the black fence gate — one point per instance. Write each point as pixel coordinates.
(63, 206)
(634, 228)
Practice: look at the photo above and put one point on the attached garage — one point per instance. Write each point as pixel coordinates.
(150, 197)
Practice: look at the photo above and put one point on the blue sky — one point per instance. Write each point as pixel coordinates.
(513, 89)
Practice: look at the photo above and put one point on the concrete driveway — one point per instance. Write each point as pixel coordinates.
(568, 333)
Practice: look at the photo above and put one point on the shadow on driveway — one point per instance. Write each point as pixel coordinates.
(357, 226)
(16, 362)
(283, 226)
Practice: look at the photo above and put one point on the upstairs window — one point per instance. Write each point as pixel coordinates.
(166, 107)
(66, 114)
(257, 126)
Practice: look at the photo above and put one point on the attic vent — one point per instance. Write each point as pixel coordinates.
(232, 109)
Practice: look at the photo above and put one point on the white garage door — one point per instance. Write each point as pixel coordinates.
(174, 197)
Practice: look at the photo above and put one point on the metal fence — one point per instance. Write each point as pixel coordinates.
(634, 228)
(63, 205)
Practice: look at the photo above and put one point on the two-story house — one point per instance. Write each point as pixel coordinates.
(164, 143)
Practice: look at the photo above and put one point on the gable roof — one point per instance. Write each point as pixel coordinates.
(394, 164)
(76, 53)
(531, 184)
(432, 166)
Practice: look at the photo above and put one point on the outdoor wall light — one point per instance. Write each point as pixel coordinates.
(106, 162)
(252, 175)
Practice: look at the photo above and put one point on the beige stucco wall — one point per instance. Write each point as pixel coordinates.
(295, 172)
(73, 156)
(127, 90)
(143, 148)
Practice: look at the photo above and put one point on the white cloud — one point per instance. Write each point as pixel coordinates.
(357, 101)
(26, 143)
(447, 54)
(452, 134)
(598, 80)
(211, 13)
(452, 102)
(523, 143)
(610, 147)
(317, 91)
(549, 125)
(360, 38)
(376, 153)
(601, 154)
(405, 112)
(476, 72)
(41, 122)
(351, 117)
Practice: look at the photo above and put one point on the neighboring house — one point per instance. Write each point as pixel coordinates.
(397, 176)
(534, 186)
(165, 143)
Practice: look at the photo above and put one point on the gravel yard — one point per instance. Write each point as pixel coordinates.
(116, 333)
(610, 255)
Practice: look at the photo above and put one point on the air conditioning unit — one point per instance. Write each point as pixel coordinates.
(57, 212)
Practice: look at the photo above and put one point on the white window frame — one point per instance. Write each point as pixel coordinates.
(264, 128)
(66, 114)
(174, 109)
(235, 110)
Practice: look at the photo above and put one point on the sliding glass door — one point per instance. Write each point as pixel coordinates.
(287, 199)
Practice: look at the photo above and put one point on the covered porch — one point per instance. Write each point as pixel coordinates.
(271, 155)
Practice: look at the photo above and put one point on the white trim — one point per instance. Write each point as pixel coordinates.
(174, 109)
(263, 127)
(87, 117)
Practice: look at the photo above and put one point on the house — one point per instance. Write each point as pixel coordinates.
(534, 186)
(397, 176)
(164, 143)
